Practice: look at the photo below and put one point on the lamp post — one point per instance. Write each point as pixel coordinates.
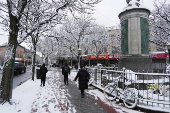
(24, 59)
(79, 53)
(68, 60)
(168, 46)
(89, 59)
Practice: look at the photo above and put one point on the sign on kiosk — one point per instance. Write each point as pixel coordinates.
(99, 57)
(102, 56)
(113, 57)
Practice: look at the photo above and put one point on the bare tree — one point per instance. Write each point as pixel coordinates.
(85, 34)
(160, 25)
(75, 32)
(49, 46)
(99, 39)
(115, 40)
(34, 17)
(16, 10)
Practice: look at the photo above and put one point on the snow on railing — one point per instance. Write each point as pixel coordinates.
(153, 88)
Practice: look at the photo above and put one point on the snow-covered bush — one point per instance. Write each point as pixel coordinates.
(159, 89)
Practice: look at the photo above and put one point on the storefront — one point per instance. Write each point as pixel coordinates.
(113, 60)
(102, 59)
(159, 61)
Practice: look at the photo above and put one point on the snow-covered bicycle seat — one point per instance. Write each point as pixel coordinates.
(116, 78)
(127, 83)
(112, 83)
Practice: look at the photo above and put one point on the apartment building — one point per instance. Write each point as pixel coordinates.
(19, 53)
(115, 38)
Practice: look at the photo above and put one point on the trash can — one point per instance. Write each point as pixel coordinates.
(38, 74)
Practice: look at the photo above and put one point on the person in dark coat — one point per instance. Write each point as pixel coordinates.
(65, 72)
(76, 66)
(84, 77)
(43, 71)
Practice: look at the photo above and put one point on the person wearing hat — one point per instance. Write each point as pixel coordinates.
(83, 80)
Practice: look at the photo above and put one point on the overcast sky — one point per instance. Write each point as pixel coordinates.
(106, 14)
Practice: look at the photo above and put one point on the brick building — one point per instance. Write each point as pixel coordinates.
(19, 53)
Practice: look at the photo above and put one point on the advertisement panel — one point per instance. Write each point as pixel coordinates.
(159, 55)
(99, 57)
(114, 57)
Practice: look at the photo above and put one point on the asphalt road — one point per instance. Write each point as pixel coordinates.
(19, 79)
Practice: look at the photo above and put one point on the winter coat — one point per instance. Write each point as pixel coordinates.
(84, 77)
(43, 70)
(63, 71)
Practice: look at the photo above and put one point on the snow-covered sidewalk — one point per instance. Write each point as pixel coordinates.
(55, 97)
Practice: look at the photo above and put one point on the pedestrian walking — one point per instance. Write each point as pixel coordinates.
(83, 80)
(43, 71)
(65, 72)
(76, 66)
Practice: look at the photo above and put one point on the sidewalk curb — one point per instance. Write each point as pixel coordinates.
(107, 108)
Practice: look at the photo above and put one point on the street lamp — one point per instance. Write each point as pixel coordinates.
(168, 46)
(89, 59)
(79, 53)
(68, 60)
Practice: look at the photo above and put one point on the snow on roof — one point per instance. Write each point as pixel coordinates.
(157, 52)
(134, 4)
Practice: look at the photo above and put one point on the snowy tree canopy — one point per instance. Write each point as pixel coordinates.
(82, 33)
(99, 39)
(160, 24)
(45, 11)
(74, 31)
(22, 18)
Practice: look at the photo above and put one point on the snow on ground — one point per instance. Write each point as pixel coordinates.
(99, 95)
(118, 107)
(29, 97)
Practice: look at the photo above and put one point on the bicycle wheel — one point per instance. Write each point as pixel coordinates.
(110, 92)
(91, 80)
(130, 99)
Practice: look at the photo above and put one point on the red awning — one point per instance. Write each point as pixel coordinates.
(114, 57)
(23, 59)
(99, 57)
(159, 55)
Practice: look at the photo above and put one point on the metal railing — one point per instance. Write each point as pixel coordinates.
(153, 88)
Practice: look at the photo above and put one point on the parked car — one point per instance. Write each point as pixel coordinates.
(19, 68)
(38, 65)
(54, 65)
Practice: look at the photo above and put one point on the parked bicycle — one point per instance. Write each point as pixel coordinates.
(128, 95)
(91, 77)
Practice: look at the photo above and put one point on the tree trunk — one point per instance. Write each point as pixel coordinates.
(33, 65)
(7, 75)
